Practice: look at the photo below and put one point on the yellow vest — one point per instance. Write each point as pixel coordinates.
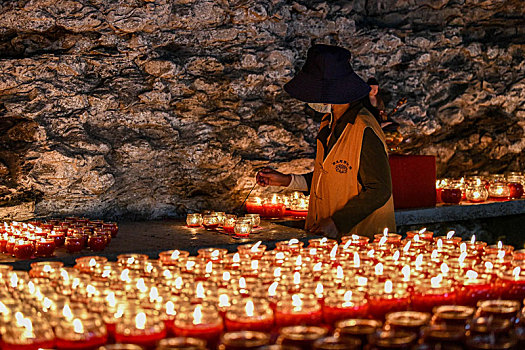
(335, 181)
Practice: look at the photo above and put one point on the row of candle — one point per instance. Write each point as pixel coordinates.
(478, 189)
(140, 300)
(278, 206)
(229, 223)
(41, 239)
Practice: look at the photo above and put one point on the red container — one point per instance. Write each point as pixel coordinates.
(74, 244)
(516, 190)
(45, 248)
(23, 250)
(451, 195)
(97, 242)
(3, 243)
(59, 237)
(271, 210)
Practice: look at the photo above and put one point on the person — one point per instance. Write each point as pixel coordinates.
(377, 105)
(350, 186)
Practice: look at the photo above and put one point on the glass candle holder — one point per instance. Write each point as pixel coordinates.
(511, 284)
(172, 257)
(23, 249)
(243, 227)
(355, 240)
(87, 332)
(452, 315)
(498, 187)
(357, 328)
(221, 216)
(473, 288)
(292, 246)
(253, 251)
(210, 222)
(298, 309)
(476, 193)
(302, 337)
(59, 237)
(255, 218)
(249, 314)
(336, 343)
(423, 235)
(343, 304)
(229, 223)
(452, 193)
(141, 327)
(443, 337)
(389, 238)
(26, 334)
(200, 321)
(254, 206)
(212, 254)
(97, 242)
(388, 297)
(506, 309)
(410, 321)
(45, 269)
(45, 248)
(515, 183)
(392, 339)
(132, 261)
(433, 292)
(182, 343)
(194, 220)
(488, 341)
(74, 243)
(244, 340)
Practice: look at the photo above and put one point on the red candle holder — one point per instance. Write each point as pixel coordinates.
(344, 305)
(74, 243)
(302, 337)
(511, 284)
(451, 195)
(243, 340)
(423, 235)
(3, 242)
(84, 333)
(23, 250)
(58, 237)
(255, 206)
(475, 287)
(45, 247)
(97, 242)
(273, 210)
(357, 328)
(298, 309)
(433, 292)
(27, 336)
(200, 321)
(182, 343)
(249, 315)
(173, 257)
(516, 190)
(140, 327)
(355, 241)
(388, 297)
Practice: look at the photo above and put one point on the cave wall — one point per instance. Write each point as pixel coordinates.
(152, 108)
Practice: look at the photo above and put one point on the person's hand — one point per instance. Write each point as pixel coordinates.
(269, 177)
(326, 227)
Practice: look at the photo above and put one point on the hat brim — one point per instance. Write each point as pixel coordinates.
(334, 91)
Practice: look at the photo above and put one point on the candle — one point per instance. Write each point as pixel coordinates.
(511, 284)
(473, 288)
(59, 237)
(434, 292)
(140, 328)
(410, 321)
(273, 209)
(199, 321)
(74, 244)
(23, 249)
(97, 242)
(501, 309)
(302, 337)
(244, 340)
(229, 223)
(194, 220)
(357, 328)
(182, 343)
(172, 257)
(243, 227)
(24, 335)
(84, 333)
(476, 193)
(255, 218)
(298, 309)
(210, 222)
(388, 297)
(451, 195)
(344, 305)
(250, 315)
(255, 206)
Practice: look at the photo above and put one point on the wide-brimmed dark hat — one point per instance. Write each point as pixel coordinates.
(327, 77)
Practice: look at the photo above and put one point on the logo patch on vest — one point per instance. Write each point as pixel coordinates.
(341, 166)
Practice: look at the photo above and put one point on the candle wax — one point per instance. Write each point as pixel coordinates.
(145, 340)
(249, 324)
(45, 248)
(312, 318)
(85, 344)
(208, 332)
(332, 314)
(23, 251)
(380, 306)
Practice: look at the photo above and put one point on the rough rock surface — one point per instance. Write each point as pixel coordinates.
(151, 108)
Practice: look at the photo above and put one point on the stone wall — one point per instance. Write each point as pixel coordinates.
(151, 108)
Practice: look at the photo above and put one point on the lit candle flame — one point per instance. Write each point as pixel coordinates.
(77, 326)
(419, 261)
(406, 248)
(91, 290)
(293, 241)
(272, 290)
(249, 308)
(462, 258)
(348, 296)
(444, 269)
(347, 244)
(140, 321)
(170, 308)
(319, 289)
(333, 252)
(92, 262)
(296, 278)
(383, 240)
(297, 303)
(362, 281)
(197, 315)
(440, 244)
(379, 269)
(434, 254)
(501, 254)
(500, 245)
(236, 258)
(471, 274)
(255, 247)
(478, 182)
(179, 282)
(274, 199)
(47, 268)
(318, 267)
(199, 291)
(388, 287)
(371, 253)
(66, 312)
(224, 300)
(153, 294)
(396, 256)
(13, 281)
(254, 264)
(357, 260)
(463, 247)
(226, 276)
(312, 251)
(324, 240)
(111, 300)
(416, 238)
(423, 230)
(299, 261)
(489, 266)
(141, 285)
(355, 237)
(279, 256)
(385, 232)
(473, 239)
(277, 272)
(175, 254)
(339, 273)
(516, 272)
(450, 234)
(124, 276)
(406, 273)
(242, 283)
(436, 281)
(215, 254)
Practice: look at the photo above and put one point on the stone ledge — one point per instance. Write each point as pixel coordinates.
(466, 211)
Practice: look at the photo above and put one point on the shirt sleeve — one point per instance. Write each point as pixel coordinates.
(374, 177)
(298, 183)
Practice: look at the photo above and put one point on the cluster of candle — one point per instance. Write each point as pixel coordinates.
(477, 189)
(229, 223)
(139, 300)
(40, 239)
(278, 206)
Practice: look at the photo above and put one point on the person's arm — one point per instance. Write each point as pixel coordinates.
(375, 179)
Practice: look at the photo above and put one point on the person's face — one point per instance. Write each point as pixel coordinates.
(374, 91)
